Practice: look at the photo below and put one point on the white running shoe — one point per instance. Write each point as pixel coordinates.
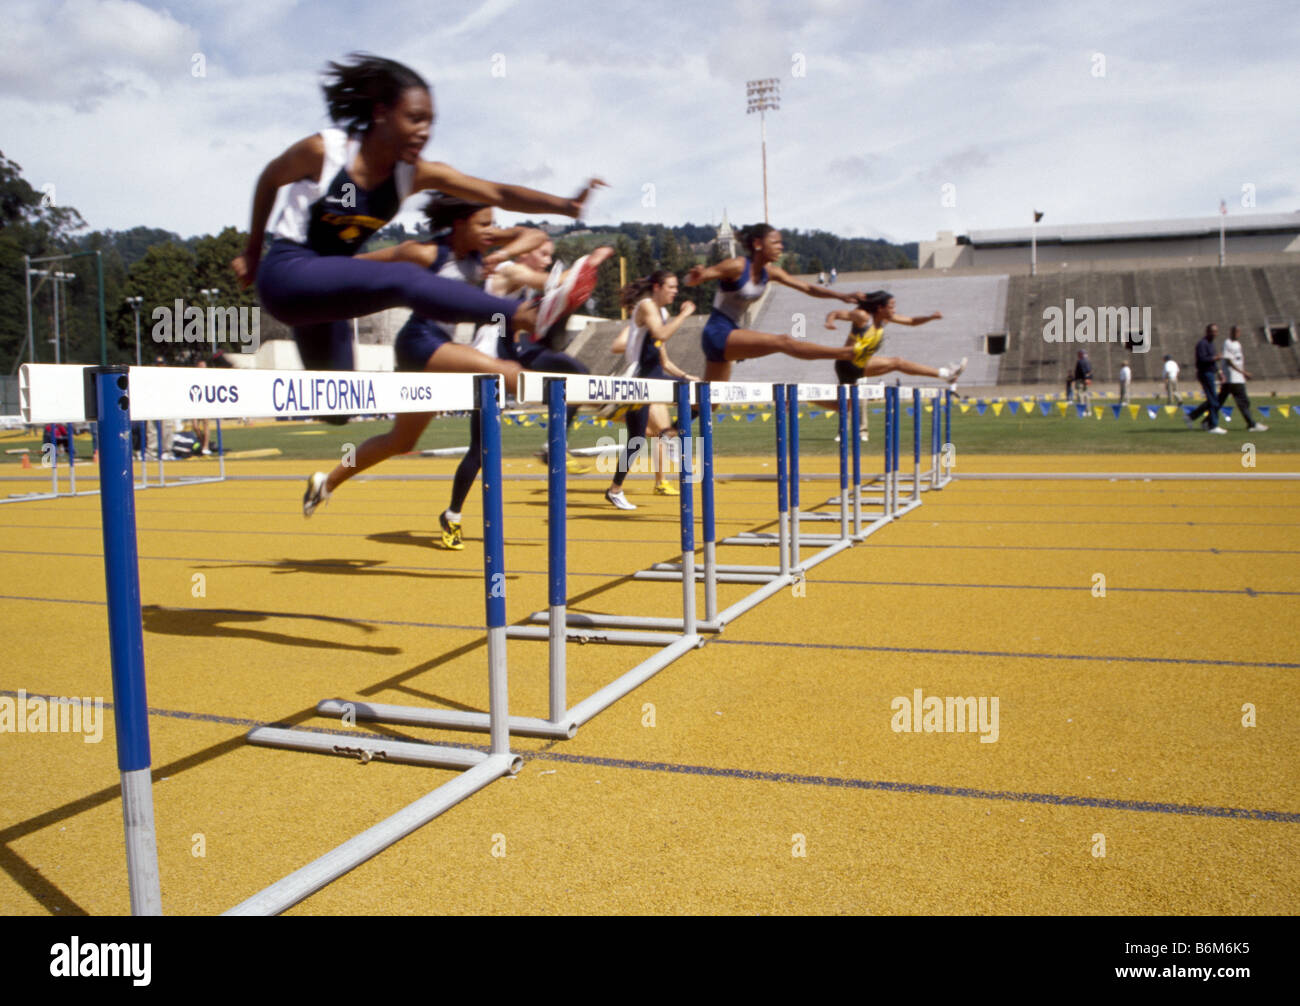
(570, 295)
(1218, 429)
(619, 500)
(1257, 428)
(954, 373)
(315, 495)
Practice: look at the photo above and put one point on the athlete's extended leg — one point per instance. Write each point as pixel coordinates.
(746, 344)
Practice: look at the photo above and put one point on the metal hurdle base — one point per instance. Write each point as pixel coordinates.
(306, 881)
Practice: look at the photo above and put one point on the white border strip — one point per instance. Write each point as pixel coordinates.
(55, 393)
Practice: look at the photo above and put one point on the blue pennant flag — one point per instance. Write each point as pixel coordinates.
(1263, 411)
(1081, 409)
(1045, 408)
(1114, 410)
(980, 406)
(1014, 406)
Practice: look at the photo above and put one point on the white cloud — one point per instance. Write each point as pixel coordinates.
(85, 52)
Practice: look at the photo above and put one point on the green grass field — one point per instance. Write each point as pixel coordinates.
(973, 433)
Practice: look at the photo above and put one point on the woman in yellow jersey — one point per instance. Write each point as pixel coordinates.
(868, 321)
(869, 318)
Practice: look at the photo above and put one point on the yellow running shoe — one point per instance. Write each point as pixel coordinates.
(451, 536)
(666, 489)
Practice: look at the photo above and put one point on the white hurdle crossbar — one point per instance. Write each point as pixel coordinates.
(115, 396)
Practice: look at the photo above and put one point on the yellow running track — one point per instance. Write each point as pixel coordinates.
(1120, 717)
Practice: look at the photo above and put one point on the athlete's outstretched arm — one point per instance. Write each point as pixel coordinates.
(303, 160)
(902, 319)
(811, 289)
(445, 178)
(620, 341)
(513, 241)
(730, 270)
(422, 253)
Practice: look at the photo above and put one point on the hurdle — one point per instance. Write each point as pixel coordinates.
(115, 396)
(192, 480)
(792, 539)
(143, 483)
(557, 391)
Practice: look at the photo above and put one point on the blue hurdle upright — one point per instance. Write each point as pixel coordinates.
(115, 396)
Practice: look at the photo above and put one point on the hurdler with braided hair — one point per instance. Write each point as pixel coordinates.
(345, 183)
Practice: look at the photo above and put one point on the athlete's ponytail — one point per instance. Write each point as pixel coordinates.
(873, 302)
(752, 233)
(639, 288)
(353, 89)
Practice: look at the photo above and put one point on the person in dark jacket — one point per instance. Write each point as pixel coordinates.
(1207, 365)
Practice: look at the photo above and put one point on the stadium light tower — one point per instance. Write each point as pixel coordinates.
(764, 96)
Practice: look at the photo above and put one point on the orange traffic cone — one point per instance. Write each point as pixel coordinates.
(27, 462)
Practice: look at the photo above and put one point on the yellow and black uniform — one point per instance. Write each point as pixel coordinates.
(866, 343)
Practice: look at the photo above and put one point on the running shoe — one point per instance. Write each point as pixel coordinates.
(451, 534)
(954, 373)
(572, 466)
(1257, 428)
(556, 306)
(315, 495)
(619, 500)
(666, 489)
(1218, 429)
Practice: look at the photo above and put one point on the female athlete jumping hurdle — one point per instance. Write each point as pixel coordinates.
(347, 182)
(742, 282)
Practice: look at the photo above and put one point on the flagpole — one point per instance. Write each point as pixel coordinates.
(1223, 216)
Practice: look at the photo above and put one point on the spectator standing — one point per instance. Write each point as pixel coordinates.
(1125, 382)
(1172, 396)
(1207, 365)
(1235, 377)
(1082, 377)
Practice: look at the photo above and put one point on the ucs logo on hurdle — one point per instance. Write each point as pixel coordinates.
(214, 393)
(416, 393)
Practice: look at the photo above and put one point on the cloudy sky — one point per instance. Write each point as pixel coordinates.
(897, 120)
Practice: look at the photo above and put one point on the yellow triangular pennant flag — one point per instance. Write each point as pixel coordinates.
(1097, 410)
(1170, 409)
(767, 416)
(1062, 406)
(1133, 411)
(1284, 409)
(963, 406)
(997, 406)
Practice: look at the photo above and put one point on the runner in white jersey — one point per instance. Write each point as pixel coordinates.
(644, 347)
(343, 184)
(741, 282)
